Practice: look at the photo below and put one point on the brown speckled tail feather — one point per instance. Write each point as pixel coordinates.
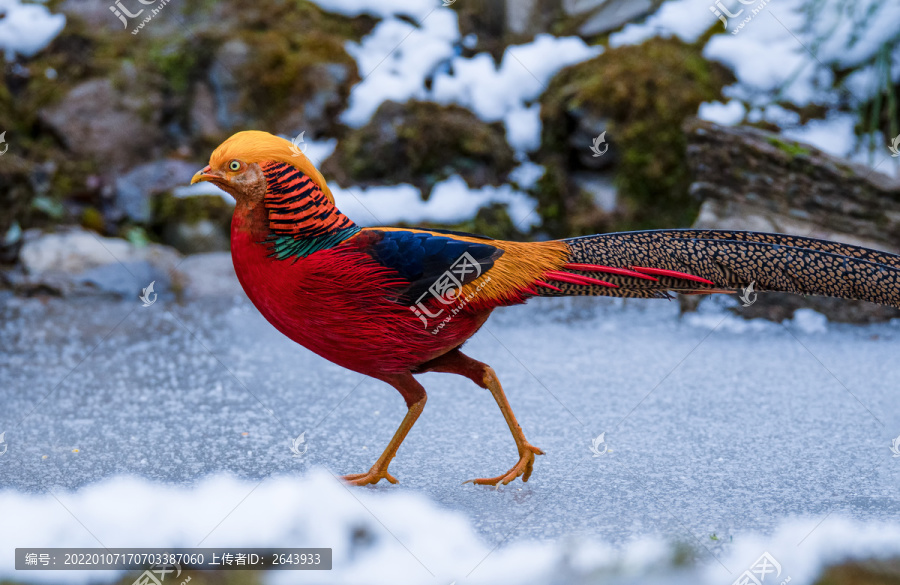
(732, 260)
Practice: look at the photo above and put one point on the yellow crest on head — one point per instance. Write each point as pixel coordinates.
(254, 146)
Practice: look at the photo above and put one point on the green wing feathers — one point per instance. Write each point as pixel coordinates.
(708, 261)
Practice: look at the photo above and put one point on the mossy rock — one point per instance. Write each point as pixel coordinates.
(294, 45)
(641, 94)
(422, 143)
(199, 223)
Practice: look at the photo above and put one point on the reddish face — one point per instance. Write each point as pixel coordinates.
(245, 182)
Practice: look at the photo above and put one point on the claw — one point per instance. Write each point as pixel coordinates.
(372, 476)
(523, 468)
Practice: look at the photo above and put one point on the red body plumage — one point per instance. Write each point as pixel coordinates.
(334, 303)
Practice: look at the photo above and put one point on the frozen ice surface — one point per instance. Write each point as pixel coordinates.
(713, 425)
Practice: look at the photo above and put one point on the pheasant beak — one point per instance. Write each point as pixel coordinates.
(205, 174)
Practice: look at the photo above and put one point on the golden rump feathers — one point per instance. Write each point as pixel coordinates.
(254, 146)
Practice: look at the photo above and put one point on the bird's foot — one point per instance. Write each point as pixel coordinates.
(523, 468)
(373, 476)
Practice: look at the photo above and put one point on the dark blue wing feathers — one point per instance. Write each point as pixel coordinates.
(421, 258)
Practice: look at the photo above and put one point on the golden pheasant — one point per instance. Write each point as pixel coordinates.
(391, 303)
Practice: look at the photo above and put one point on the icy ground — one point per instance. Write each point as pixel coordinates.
(715, 429)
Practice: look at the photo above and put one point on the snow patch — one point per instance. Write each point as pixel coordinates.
(726, 114)
(417, 9)
(809, 321)
(26, 29)
(451, 201)
(391, 537)
(395, 59)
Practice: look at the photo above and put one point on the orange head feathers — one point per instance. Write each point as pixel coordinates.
(242, 149)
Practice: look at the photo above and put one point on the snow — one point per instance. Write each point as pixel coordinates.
(785, 50)
(810, 322)
(386, 538)
(395, 59)
(685, 19)
(26, 29)
(833, 135)
(715, 425)
(523, 128)
(524, 72)
(416, 9)
(527, 174)
(727, 114)
(451, 201)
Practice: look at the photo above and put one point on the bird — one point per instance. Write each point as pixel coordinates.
(395, 302)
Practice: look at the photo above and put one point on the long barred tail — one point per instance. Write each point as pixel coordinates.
(651, 264)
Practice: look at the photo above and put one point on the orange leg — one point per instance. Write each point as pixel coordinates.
(415, 397)
(456, 362)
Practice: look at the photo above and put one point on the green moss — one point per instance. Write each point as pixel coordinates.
(422, 143)
(866, 572)
(645, 93)
(792, 149)
(288, 39)
(170, 209)
(92, 219)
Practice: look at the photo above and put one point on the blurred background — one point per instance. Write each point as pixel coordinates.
(517, 119)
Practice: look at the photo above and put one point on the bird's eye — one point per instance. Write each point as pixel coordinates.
(234, 165)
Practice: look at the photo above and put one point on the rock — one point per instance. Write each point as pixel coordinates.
(118, 127)
(198, 223)
(229, 91)
(520, 16)
(135, 189)
(293, 84)
(208, 275)
(75, 261)
(15, 193)
(500, 23)
(635, 99)
(603, 16)
(328, 97)
(201, 236)
(751, 179)
(422, 143)
(203, 119)
(119, 278)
